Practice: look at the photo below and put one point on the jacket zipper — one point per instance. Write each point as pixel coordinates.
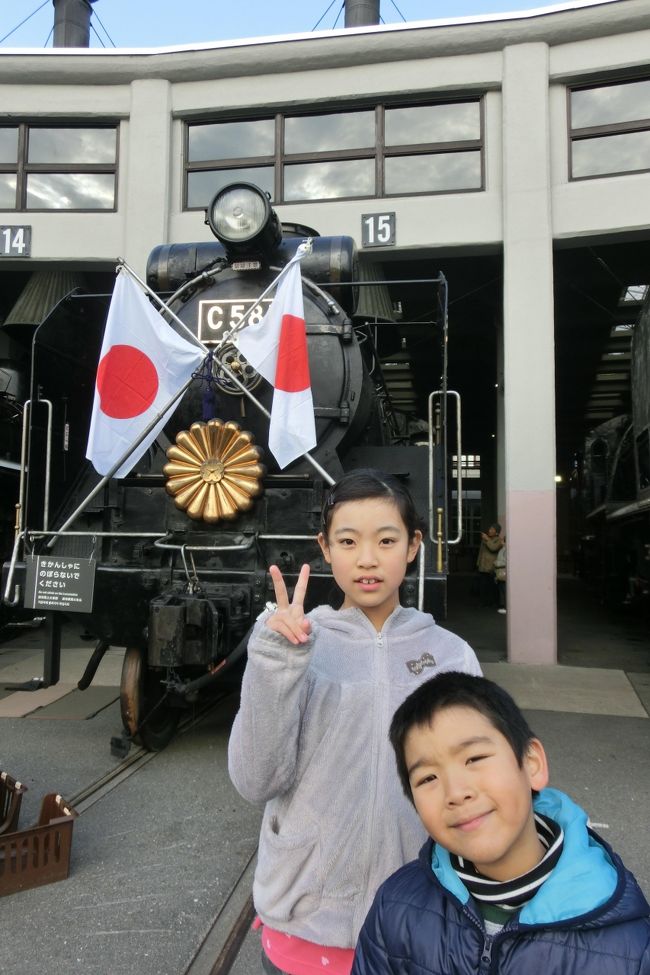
(377, 660)
(485, 964)
(486, 954)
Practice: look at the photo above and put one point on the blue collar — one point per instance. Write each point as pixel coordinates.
(583, 880)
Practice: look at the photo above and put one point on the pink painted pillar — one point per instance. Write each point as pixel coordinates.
(529, 358)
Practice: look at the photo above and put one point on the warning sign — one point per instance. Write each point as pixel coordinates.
(53, 582)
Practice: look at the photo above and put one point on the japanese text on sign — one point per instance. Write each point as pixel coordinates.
(59, 583)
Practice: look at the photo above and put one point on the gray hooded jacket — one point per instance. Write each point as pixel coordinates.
(311, 741)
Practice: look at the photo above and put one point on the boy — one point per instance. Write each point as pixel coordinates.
(512, 879)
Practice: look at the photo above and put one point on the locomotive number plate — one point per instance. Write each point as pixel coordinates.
(217, 317)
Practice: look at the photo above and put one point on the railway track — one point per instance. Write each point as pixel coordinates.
(218, 951)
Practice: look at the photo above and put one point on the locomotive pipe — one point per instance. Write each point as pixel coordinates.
(194, 686)
(92, 665)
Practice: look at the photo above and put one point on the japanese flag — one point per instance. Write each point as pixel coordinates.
(142, 364)
(277, 347)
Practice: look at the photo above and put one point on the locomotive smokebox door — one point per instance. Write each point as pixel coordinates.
(184, 629)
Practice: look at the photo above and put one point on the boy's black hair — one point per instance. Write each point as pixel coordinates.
(455, 689)
(366, 482)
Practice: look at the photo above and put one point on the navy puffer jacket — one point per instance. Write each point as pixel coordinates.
(588, 918)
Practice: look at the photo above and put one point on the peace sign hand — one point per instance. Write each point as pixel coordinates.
(289, 618)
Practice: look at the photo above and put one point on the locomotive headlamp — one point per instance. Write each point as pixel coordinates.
(240, 216)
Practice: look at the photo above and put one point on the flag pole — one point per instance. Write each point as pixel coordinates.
(123, 459)
(231, 375)
(116, 466)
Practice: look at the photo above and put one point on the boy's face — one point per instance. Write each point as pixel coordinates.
(471, 794)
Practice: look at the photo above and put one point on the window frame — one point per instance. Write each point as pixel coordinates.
(378, 152)
(23, 168)
(585, 133)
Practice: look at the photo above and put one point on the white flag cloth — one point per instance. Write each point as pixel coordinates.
(142, 363)
(277, 347)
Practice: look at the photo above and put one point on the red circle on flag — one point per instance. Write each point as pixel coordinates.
(127, 382)
(292, 369)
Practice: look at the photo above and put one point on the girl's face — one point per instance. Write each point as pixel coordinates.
(369, 549)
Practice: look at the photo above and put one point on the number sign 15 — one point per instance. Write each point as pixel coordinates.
(377, 229)
(15, 241)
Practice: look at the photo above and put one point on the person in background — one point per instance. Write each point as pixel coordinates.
(491, 542)
(311, 736)
(512, 879)
(500, 578)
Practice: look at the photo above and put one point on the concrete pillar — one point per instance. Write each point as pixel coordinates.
(146, 182)
(500, 433)
(529, 364)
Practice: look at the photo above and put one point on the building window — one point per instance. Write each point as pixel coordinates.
(371, 152)
(62, 167)
(610, 129)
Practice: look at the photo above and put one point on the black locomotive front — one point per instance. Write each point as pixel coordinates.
(180, 570)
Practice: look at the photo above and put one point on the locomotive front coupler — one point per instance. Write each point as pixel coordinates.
(190, 690)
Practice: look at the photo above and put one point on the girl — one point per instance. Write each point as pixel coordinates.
(311, 736)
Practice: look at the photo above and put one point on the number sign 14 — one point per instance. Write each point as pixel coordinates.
(15, 241)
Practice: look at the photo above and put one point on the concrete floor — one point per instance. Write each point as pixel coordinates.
(153, 860)
(589, 634)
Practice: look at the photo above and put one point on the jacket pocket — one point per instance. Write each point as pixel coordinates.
(288, 881)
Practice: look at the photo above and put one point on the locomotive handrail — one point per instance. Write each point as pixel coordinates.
(23, 465)
(183, 547)
(10, 575)
(48, 463)
(27, 409)
(20, 532)
(421, 558)
(58, 534)
(288, 538)
(459, 483)
(246, 544)
(38, 533)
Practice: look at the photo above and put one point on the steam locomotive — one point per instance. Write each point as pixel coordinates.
(615, 490)
(157, 570)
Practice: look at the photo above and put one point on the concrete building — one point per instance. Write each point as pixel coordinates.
(514, 152)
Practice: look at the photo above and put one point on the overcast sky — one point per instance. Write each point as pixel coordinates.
(159, 23)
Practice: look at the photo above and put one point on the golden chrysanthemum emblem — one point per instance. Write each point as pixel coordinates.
(214, 471)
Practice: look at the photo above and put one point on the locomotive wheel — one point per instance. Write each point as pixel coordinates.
(146, 716)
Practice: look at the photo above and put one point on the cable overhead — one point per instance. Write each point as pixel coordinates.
(341, 9)
(95, 15)
(97, 35)
(322, 17)
(29, 17)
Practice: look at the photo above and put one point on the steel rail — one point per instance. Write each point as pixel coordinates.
(218, 951)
